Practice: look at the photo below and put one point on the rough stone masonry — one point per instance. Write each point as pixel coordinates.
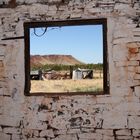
(82, 117)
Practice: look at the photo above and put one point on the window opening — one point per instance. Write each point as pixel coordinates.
(66, 57)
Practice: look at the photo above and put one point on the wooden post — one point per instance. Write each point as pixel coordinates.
(71, 71)
(40, 74)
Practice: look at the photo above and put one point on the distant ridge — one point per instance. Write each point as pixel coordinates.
(38, 60)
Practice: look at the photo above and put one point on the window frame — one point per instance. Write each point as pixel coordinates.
(59, 23)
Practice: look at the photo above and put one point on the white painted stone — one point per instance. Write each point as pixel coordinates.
(121, 63)
(125, 9)
(113, 110)
(66, 137)
(9, 121)
(54, 1)
(120, 53)
(133, 63)
(114, 119)
(76, 14)
(134, 122)
(36, 138)
(133, 57)
(137, 91)
(36, 133)
(36, 124)
(15, 137)
(47, 133)
(11, 130)
(0, 129)
(123, 132)
(42, 116)
(136, 138)
(52, 10)
(138, 69)
(137, 77)
(73, 131)
(106, 132)
(109, 100)
(1, 91)
(90, 136)
(108, 137)
(136, 133)
(129, 108)
(4, 136)
(125, 137)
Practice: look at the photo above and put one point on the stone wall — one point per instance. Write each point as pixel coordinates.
(82, 117)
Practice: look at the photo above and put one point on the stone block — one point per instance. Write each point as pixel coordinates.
(131, 69)
(42, 116)
(66, 137)
(109, 99)
(118, 41)
(136, 139)
(89, 136)
(54, 1)
(0, 129)
(52, 10)
(124, 137)
(114, 120)
(133, 50)
(1, 91)
(137, 76)
(136, 39)
(73, 131)
(136, 133)
(105, 137)
(1, 63)
(134, 57)
(33, 123)
(11, 130)
(120, 53)
(131, 99)
(134, 122)
(133, 63)
(47, 133)
(15, 137)
(138, 69)
(124, 9)
(121, 63)
(76, 15)
(60, 132)
(107, 132)
(36, 133)
(137, 91)
(119, 91)
(4, 136)
(9, 121)
(87, 129)
(36, 138)
(123, 132)
(128, 108)
(2, 58)
(133, 47)
(120, 34)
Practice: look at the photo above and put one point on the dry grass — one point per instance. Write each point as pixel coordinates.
(84, 85)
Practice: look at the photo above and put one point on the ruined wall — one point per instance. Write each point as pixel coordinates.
(102, 117)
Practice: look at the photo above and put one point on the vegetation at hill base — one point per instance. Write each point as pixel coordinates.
(61, 67)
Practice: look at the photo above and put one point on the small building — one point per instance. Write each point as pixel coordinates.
(77, 74)
(82, 74)
(36, 75)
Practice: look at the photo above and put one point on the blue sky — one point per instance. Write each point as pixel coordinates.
(85, 43)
